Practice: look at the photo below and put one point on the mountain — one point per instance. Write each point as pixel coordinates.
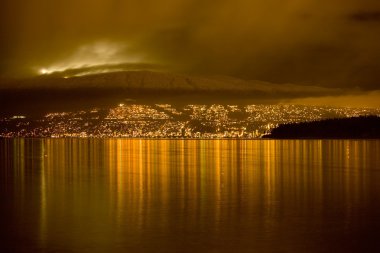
(150, 80)
(60, 92)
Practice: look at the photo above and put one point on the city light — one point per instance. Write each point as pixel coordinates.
(169, 121)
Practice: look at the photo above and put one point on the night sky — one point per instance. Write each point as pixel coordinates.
(333, 43)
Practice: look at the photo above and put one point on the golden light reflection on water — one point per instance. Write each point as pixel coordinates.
(223, 195)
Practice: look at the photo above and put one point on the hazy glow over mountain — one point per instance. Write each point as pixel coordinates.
(94, 55)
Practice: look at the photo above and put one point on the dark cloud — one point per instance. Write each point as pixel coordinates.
(363, 99)
(281, 41)
(369, 16)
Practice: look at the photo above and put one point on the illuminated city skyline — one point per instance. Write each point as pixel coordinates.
(170, 121)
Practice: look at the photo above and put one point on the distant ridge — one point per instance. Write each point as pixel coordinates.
(155, 80)
(364, 127)
(65, 91)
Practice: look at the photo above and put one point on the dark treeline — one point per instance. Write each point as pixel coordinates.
(364, 127)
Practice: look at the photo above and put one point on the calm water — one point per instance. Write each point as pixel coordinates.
(89, 195)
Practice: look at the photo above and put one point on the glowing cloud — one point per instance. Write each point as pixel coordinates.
(97, 54)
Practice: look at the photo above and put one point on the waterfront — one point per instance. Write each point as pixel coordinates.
(132, 195)
(215, 121)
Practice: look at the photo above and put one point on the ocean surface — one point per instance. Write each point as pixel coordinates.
(124, 195)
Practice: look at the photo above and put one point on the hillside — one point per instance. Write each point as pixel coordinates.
(151, 80)
(364, 127)
(61, 92)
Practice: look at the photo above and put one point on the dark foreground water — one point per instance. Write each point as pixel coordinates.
(118, 195)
